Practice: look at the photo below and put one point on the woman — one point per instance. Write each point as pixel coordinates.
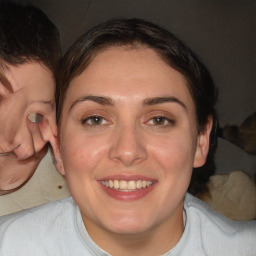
(136, 109)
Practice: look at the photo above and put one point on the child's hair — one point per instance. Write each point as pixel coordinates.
(26, 34)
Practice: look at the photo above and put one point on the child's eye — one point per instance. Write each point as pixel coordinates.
(160, 121)
(94, 120)
(35, 118)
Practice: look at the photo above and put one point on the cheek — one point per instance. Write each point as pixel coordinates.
(82, 153)
(175, 153)
(12, 119)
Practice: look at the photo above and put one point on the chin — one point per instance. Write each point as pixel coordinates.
(128, 225)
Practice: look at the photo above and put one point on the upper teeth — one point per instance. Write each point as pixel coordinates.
(124, 185)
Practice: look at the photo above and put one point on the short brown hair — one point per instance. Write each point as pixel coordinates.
(26, 34)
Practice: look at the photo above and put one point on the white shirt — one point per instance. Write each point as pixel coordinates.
(57, 228)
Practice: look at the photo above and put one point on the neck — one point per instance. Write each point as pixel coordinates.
(15, 173)
(159, 240)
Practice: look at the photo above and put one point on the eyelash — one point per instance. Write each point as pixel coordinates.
(163, 121)
(90, 118)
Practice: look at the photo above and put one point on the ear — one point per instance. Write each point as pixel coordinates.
(56, 151)
(203, 143)
(49, 135)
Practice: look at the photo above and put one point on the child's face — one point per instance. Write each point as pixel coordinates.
(32, 97)
(21, 115)
(129, 142)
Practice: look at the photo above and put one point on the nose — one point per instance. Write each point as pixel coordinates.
(24, 142)
(128, 146)
(17, 140)
(6, 146)
(8, 142)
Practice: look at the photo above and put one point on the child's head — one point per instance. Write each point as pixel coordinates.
(29, 53)
(27, 35)
(135, 114)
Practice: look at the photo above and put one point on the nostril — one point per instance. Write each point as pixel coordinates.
(128, 147)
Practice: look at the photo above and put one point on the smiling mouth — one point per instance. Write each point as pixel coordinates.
(127, 186)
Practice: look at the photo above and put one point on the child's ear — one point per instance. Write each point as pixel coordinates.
(203, 143)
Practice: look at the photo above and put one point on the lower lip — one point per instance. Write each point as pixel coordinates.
(128, 196)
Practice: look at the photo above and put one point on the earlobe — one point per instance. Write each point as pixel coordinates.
(51, 136)
(56, 151)
(59, 166)
(203, 143)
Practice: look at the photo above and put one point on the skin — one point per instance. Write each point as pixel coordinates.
(130, 142)
(22, 138)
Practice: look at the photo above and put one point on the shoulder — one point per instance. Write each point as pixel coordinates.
(197, 209)
(50, 229)
(217, 232)
(39, 216)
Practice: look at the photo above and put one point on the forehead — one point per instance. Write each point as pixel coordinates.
(29, 84)
(129, 71)
(28, 74)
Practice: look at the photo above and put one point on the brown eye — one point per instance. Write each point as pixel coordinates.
(162, 121)
(159, 120)
(94, 120)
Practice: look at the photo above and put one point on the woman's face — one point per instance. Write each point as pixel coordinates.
(129, 142)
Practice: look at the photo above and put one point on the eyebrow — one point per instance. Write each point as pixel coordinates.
(161, 100)
(98, 99)
(48, 102)
(147, 102)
